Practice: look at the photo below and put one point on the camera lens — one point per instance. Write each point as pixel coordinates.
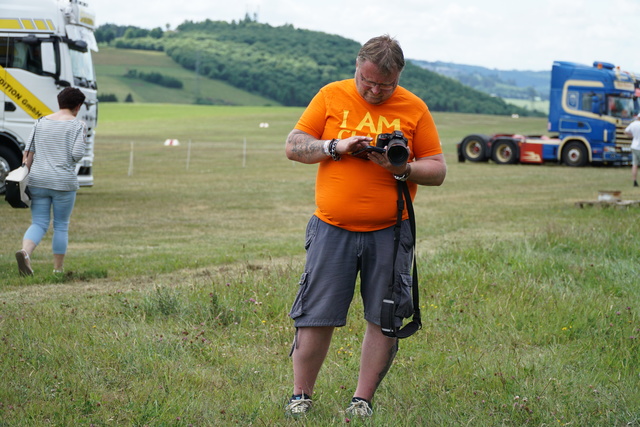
(397, 153)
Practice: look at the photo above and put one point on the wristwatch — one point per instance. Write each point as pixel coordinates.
(405, 175)
(325, 148)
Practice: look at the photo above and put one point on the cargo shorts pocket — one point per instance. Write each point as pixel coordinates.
(403, 296)
(299, 303)
(312, 231)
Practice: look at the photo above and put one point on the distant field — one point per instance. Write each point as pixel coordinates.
(183, 263)
(541, 106)
(112, 64)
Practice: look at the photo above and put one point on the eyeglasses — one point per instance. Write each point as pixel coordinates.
(381, 86)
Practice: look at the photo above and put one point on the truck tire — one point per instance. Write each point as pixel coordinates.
(474, 148)
(504, 152)
(575, 154)
(9, 160)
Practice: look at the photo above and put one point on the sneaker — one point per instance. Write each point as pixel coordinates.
(359, 408)
(24, 263)
(298, 405)
(635, 183)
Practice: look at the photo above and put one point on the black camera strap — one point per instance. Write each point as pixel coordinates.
(387, 316)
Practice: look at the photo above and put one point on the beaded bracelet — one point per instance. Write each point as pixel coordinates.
(333, 151)
(405, 175)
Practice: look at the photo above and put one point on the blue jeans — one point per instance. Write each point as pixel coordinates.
(42, 202)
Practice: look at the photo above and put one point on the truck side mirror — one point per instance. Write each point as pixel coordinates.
(79, 45)
(595, 105)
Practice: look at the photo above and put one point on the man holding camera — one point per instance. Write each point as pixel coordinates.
(352, 229)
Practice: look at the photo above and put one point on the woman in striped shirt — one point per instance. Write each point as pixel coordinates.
(58, 143)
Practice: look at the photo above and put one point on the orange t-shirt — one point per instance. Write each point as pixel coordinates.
(357, 194)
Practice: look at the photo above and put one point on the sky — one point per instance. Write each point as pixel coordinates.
(497, 34)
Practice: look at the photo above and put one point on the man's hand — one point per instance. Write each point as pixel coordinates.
(352, 144)
(383, 161)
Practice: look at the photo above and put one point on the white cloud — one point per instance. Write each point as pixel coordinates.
(491, 33)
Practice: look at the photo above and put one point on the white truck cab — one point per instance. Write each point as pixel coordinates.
(45, 46)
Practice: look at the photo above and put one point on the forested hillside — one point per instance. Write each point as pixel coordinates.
(503, 83)
(287, 64)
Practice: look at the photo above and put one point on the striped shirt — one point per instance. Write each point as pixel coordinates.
(58, 146)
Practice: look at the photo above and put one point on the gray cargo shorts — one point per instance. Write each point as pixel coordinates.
(335, 257)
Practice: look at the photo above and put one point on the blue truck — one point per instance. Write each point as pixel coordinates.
(589, 108)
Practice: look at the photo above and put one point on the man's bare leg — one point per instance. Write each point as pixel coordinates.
(311, 347)
(378, 352)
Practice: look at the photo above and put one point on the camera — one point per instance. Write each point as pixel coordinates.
(396, 143)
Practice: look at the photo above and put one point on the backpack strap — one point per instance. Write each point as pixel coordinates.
(387, 316)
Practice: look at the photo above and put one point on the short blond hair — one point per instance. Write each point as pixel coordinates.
(385, 52)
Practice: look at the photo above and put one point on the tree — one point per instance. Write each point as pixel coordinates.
(105, 34)
(156, 33)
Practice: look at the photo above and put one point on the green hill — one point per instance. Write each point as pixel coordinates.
(278, 65)
(113, 64)
(514, 84)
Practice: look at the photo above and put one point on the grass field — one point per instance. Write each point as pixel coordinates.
(181, 271)
(541, 106)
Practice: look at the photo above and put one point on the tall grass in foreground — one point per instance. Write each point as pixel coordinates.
(516, 333)
(173, 310)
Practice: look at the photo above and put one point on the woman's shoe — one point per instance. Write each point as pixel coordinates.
(24, 263)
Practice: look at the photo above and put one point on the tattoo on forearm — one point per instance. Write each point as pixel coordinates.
(305, 147)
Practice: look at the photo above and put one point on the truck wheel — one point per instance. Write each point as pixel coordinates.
(474, 147)
(8, 162)
(504, 152)
(575, 154)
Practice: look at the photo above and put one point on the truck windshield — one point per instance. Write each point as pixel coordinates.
(620, 107)
(82, 65)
